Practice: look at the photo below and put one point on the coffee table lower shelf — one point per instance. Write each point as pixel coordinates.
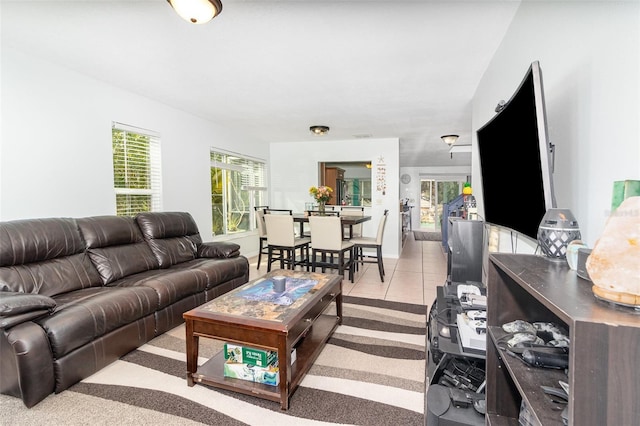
(307, 350)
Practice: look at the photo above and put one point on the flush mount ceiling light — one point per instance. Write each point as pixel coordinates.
(450, 139)
(319, 130)
(197, 11)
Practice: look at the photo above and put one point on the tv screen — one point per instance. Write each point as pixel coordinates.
(514, 152)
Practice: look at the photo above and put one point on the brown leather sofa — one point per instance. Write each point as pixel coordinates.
(77, 294)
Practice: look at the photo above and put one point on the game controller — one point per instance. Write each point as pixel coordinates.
(519, 339)
(519, 326)
(552, 334)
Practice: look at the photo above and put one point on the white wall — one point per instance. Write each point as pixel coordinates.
(294, 169)
(589, 53)
(56, 145)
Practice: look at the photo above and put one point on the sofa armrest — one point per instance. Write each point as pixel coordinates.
(26, 370)
(10, 321)
(24, 306)
(218, 249)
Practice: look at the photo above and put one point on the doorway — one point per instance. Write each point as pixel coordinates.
(434, 194)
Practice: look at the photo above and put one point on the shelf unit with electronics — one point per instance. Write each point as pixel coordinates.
(603, 374)
(455, 357)
(444, 339)
(465, 248)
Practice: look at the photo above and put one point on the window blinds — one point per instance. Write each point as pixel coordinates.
(136, 170)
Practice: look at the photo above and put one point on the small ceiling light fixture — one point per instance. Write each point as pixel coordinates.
(197, 11)
(450, 139)
(319, 130)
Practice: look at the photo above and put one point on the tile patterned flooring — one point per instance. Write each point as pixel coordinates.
(412, 278)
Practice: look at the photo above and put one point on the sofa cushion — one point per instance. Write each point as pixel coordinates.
(44, 256)
(217, 271)
(51, 277)
(35, 240)
(172, 236)
(218, 249)
(84, 315)
(116, 246)
(170, 285)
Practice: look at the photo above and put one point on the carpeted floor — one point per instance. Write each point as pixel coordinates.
(427, 236)
(371, 372)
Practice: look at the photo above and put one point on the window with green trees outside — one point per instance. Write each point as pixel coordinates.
(136, 170)
(237, 185)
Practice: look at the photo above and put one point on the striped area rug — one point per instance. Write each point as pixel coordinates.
(371, 372)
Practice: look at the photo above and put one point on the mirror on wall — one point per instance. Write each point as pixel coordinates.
(350, 181)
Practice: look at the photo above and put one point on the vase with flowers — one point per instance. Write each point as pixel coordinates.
(321, 194)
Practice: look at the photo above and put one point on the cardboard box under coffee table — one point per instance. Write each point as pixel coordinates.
(303, 317)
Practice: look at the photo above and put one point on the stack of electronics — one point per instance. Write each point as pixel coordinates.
(472, 320)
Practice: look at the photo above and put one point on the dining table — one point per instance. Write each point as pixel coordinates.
(347, 221)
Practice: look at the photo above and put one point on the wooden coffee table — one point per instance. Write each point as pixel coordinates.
(304, 325)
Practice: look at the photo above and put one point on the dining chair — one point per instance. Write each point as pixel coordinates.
(358, 211)
(361, 243)
(262, 233)
(262, 229)
(327, 212)
(281, 238)
(326, 240)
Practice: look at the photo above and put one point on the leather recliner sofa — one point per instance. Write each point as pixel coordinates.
(77, 294)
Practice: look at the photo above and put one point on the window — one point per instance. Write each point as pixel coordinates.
(433, 195)
(136, 169)
(237, 185)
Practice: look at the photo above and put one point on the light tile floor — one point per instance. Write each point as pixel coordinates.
(412, 278)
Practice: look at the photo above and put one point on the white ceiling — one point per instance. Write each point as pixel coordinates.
(405, 69)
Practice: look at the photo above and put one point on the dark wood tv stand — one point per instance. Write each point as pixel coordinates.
(603, 373)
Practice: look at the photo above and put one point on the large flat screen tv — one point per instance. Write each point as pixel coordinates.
(515, 159)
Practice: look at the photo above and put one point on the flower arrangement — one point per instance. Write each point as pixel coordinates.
(321, 194)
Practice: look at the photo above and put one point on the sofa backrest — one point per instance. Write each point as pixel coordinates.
(172, 236)
(116, 246)
(44, 256)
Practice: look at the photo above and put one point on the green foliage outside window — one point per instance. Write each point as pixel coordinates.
(130, 205)
(231, 175)
(133, 172)
(217, 200)
(447, 191)
(131, 168)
